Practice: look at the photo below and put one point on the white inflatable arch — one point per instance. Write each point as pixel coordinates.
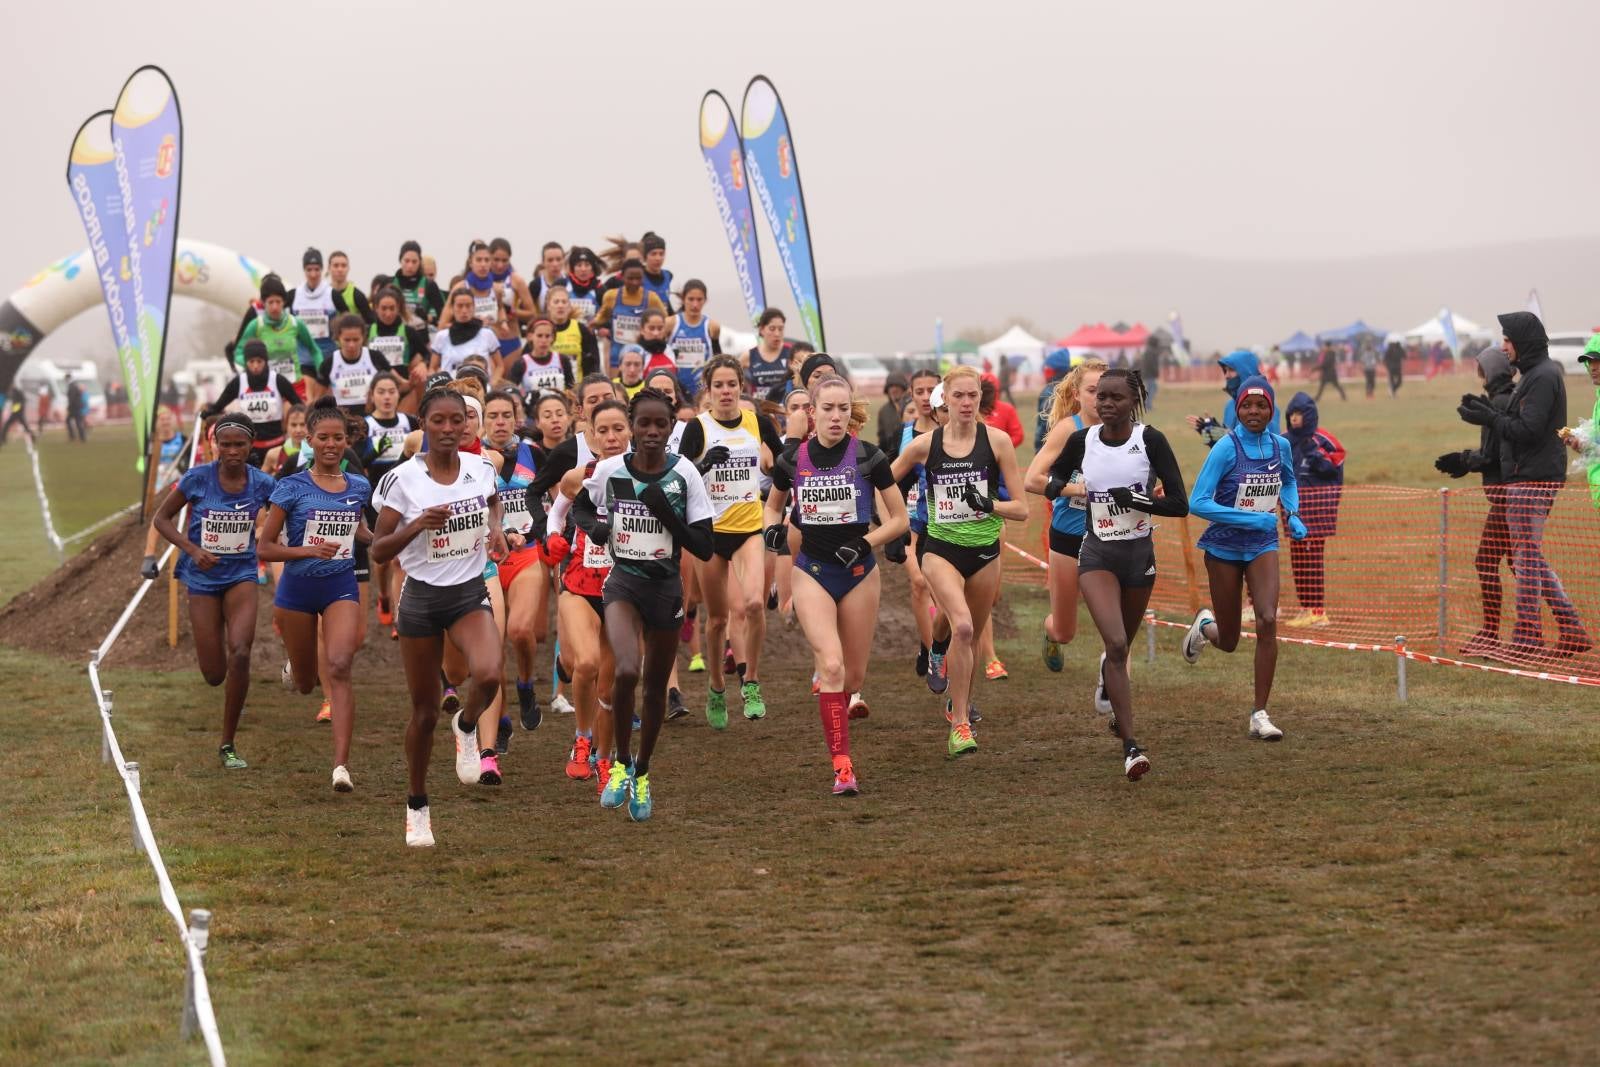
(70, 286)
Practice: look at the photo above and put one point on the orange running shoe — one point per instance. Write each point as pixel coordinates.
(578, 768)
(385, 614)
(844, 777)
(995, 671)
(325, 713)
(602, 772)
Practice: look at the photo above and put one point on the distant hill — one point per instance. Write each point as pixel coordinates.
(1223, 302)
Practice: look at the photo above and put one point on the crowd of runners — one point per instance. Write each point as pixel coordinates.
(567, 464)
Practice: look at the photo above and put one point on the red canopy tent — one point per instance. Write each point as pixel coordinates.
(1102, 336)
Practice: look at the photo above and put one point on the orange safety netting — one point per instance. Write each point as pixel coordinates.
(1503, 578)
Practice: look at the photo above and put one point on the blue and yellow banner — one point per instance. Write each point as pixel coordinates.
(724, 156)
(774, 174)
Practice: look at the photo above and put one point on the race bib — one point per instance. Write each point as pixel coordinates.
(1112, 523)
(734, 482)
(636, 534)
(595, 557)
(914, 497)
(625, 328)
(948, 493)
(828, 500)
(514, 514)
(316, 322)
(485, 308)
(584, 307)
(226, 533)
(538, 378)
(351, 389)
(462, 535)
(690, 352)
(1258, 491)
(392, 349)
(334, 527)
(259, 407)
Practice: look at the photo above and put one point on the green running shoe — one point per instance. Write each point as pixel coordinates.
(230, 759)
(616, 790)
(639, 803)
(1053, 660)
(754, 706)
(961, 741)
(717, 709)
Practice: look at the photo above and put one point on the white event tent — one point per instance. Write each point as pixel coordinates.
(1025, 351)
(1433, 330)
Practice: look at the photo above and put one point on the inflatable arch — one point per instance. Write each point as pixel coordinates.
(70, 286)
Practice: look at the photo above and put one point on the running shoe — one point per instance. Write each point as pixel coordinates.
(231, 760)
(616, 788)
(451, 702)
(772, 599)
(961, 741)
(995, 671)
(528, 706)
(754, 706)
(562, 672)
(489, 772)
(686, 631)
(394, 634)
(972, 713)
(325, 713)
(1051, 650)
(341, 780)
(816, 683)
(602, 774)
(729, 664)
(1195, 641)
(1261, 728)
(1310, 618)
(419, 827)
(148, 569)
(1135, 764)
(938, 677)
(287, 676)
(561, 705)
(385, 612)
(578, 767)
(717, 709)
(640, 802)
(697, 663)
(502, 737)
(468, 765)
(922, 662)
(261, 574)
(844, 777)
(675, 708)
(858, 707)
(1102, 702)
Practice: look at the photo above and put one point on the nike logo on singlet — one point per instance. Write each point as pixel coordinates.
(1272, 467)
(236, 507)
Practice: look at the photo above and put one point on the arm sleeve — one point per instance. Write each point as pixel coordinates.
(364, 308)
(783, 472)
(379, 361)
(769, 434)
(716, 343)
(880, 472)
(417, 341)
(1202, 501)
(561, 459)
(1174, 499)
(693, 443)
(556, 517)
(1071, 457)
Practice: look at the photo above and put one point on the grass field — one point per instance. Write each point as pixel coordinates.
(1392, 883)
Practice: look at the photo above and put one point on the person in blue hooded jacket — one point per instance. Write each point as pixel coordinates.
(1319, 478)
(1237, 366)
(1248, 474)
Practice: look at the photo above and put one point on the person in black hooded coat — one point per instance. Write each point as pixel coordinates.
(1494, 541)
(1534, 464)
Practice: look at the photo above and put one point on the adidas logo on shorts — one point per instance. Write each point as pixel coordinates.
(1151, 571)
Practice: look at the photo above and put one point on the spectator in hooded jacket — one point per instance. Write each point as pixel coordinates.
(1237, 365)
(1494, 541)
(1319, 473)
(1533, 462)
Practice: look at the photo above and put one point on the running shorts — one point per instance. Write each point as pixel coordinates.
(834, 576)
(1132, 563)
(313, 594)
(726, 544)
(429, 610)
(966, 559)
(659, 602)
(1065, 543)
(516, 563)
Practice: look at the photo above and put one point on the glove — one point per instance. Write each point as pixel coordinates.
(1475, 410)
(854, 552)
(555, 549)
(652, 497)
(775, 537)
(1452, 463)
(1297, 529)
(715, 456)
(1053, 487)
(975, 500)
(895, 551)
(601, 533)
(1124, 497)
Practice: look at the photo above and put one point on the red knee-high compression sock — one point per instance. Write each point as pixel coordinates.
(835, 723)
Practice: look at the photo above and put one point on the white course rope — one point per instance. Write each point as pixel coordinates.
(44, 501)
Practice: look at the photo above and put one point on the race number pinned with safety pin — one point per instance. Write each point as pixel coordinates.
(1113, 523)
(332, 527)
(463, 532)
(949, 495)
(1259, 491)
(226, 532)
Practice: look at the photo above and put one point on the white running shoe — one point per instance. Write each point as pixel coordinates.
(287, 676)
(858, 707)
(419, 828)
(341, 780)
(561, 705)
(1135, 765)
(1195, 641)
(1261, 728)
(1102, 702)
(469, 766)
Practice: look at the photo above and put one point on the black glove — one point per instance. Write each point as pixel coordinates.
(854, 552)
(895, 551)
(1124, 497)
(652, 497)
(714, 456)
(975, 500)
(1053, 487)
(600, 533)
(1475, 410)
(776, 537)
(1452, 463)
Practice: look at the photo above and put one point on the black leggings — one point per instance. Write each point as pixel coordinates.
(1327, 382)
(1494, 546)
(1306, 559)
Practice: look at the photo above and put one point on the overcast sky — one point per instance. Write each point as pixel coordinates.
(928, 134)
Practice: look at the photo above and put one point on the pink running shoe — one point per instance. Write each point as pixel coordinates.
(490, 773)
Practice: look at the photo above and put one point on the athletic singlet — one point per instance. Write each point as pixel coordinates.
(764, 374)
(733, 486)
(223, 524)
(662, 289)
(283, 345)
(451, 355)
(459, 552)
(416, 299)
(831, 496)
(263, 407)
(485, 304)
(585, 300)
(515, 516)
(1107, 467)
(589, 564)
(691, 347)
(1253, 484)
(640, 544)
(950, 518)
(569, 341)
(316, 516)
(350, 381)
(172, 452)
(1068, 513)
(388, 443)
(625, 322)
(394, 347)
(315, 308)
(538, 377)
(917, 498)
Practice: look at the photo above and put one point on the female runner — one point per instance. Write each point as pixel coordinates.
(390, 336)
(797, 426)
(692, 336)
(440, 517)
(647, 506)
(572, 337)
(524, 581)
(583, 285)
(1246, 475)
(767, 364)
(387, 429)
(965, 462)
(834, 477)
(463, 336)
(915, 488)
(174, 460)
(1072, 408)
(423, 301)
(731, 447)
(514, 300)
(263, 397)
(1121, 460)
(219, 564)
(320, 510)
(580, 611)
(539, 368)
(349, 371)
